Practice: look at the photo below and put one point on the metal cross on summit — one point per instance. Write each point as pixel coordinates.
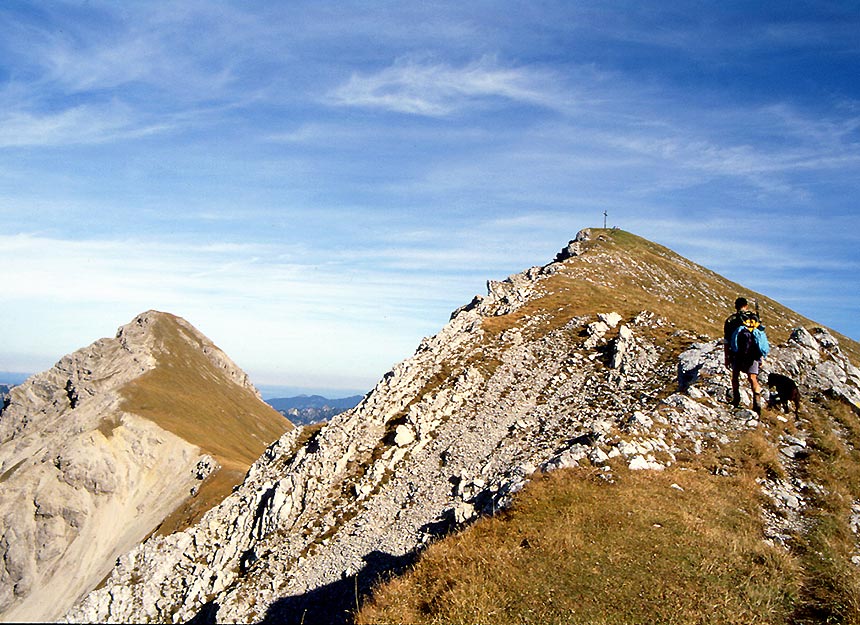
(604, 220)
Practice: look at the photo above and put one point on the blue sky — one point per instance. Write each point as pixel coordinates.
(317, 185)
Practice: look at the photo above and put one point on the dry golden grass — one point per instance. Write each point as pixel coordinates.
(831, 588)
(575, 549)
(756, 455)
(187, 395)
(212, 492)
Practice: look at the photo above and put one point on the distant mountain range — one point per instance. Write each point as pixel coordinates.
(12, 378)
(309, 409)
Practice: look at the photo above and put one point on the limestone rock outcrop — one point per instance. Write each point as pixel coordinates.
(84, 478)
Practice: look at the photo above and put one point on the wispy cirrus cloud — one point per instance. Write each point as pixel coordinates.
(113, 75)
(108, 47)
(286, 303)
(294, 280)
(436, 89)
(84, 124)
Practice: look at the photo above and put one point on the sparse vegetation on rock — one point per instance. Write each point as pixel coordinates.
(576, 421)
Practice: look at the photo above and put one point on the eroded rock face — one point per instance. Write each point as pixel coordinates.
(83, 480)
(574, 247)
(449, 434)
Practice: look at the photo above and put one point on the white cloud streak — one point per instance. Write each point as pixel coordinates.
(85, 124)
(132, 270)
(436, 89)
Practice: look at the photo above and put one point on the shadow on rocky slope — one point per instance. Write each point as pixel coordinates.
(326, 604)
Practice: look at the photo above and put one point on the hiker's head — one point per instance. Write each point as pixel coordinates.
(741, 303)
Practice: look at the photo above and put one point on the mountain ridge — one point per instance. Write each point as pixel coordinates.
(313, 401)
(608, 357)
(310, 409)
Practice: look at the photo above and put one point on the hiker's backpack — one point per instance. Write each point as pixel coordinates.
(732, 324)
(749, 342)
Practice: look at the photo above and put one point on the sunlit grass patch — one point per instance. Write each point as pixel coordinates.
(575, 549)
(188, 395)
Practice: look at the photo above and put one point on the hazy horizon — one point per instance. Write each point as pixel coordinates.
(267, 391)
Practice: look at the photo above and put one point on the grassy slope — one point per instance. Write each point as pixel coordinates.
(187, 395)
(576, 550)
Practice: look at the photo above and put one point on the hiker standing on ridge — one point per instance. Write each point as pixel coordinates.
(745, 344)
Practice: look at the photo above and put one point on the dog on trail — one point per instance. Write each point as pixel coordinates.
(783, 391)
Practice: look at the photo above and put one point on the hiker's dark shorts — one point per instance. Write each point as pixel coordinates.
(752, 368)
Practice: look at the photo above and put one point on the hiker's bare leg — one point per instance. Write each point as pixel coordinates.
(756, 388)
(736, 382)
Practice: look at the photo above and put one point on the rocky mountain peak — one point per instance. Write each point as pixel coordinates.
(103, 454)
(154, 332)
(136, 332)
